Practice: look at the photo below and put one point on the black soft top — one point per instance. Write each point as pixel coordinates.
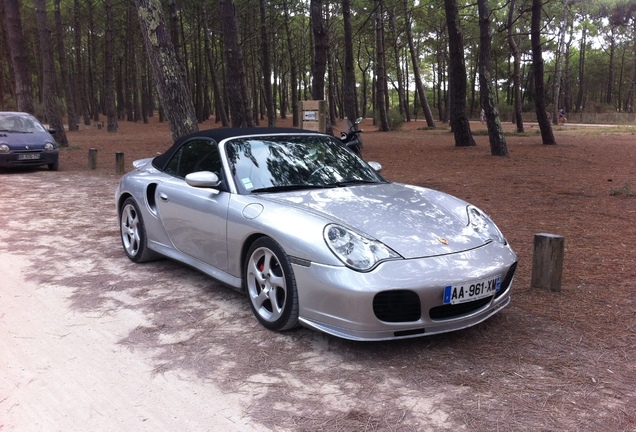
(219, 134)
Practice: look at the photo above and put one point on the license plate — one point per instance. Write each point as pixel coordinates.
(454, 294)
(28, 156)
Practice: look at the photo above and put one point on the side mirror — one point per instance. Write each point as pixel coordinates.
(376, 166)
(203, 179)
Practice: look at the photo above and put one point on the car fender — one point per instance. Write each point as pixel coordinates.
(300, 233)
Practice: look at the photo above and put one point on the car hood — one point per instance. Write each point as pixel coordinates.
(19, 141)
(413, 221)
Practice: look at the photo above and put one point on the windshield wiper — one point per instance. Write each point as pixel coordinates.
(13, 131)
(355, 182)
(287, 188)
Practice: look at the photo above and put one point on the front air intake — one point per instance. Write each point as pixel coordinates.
(397, 306)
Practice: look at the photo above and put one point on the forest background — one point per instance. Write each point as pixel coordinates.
(244, 62)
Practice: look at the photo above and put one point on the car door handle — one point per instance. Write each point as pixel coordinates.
(163, 197)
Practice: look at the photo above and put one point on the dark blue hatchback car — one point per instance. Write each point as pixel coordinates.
(25, 142)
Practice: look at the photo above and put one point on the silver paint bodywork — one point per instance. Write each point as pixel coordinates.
(210, 230)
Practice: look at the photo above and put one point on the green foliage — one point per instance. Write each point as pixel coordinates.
(395, 119)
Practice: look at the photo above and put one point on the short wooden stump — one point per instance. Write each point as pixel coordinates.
(119, 163)
(547, 261)
(92, 158)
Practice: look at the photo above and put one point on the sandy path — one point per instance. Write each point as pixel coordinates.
(63, 370)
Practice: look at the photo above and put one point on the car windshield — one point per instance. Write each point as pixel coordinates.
(18, 123)
(283, 163)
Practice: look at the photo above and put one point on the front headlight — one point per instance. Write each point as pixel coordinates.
(483, 225)
(4, 148)
(356, 251)
(49, 147)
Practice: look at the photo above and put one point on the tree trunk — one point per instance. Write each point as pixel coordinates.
(19, 56)
(537, 68)
(168, 70)
(80, 92)
(235, 78)
(71, 113)
(632, 91)
(567, 81)
(582, 49)
(457, 78)
(404, 59)
(498, 145)
(516, 72)
(364, 71)
(221, 114)
(267, 68)
(321, 41)
(421, 92)
(380, 70)
(350, 96)
(94, 106)
(332, 103)
(146, 108)
(109, 89)
(293, 68)
(129, 65)
(556, 96)
(398, 69)
(53, 116)
(611, 68)
(474, 69)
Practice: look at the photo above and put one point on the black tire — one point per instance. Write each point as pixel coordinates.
(133, 233)
(271, 286)
(54, 166)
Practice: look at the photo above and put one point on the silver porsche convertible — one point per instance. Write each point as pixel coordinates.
(315, 236)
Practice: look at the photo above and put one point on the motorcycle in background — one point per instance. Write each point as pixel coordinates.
(351, 139)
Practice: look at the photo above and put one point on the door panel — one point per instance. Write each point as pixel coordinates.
(195, 220)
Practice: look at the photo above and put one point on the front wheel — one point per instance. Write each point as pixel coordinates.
(133, 233)
(271, 286)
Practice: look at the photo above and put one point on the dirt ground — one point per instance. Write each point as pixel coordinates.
(91, 341)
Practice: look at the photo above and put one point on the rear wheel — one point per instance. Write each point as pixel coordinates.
(271, 286)
(133, 233)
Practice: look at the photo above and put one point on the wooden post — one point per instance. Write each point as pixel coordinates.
(92, 158)
(119, 162)
(547, 261)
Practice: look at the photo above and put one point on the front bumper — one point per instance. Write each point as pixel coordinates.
(340, 301)
(13, 159)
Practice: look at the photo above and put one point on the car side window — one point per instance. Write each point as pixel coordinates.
(193, 156)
